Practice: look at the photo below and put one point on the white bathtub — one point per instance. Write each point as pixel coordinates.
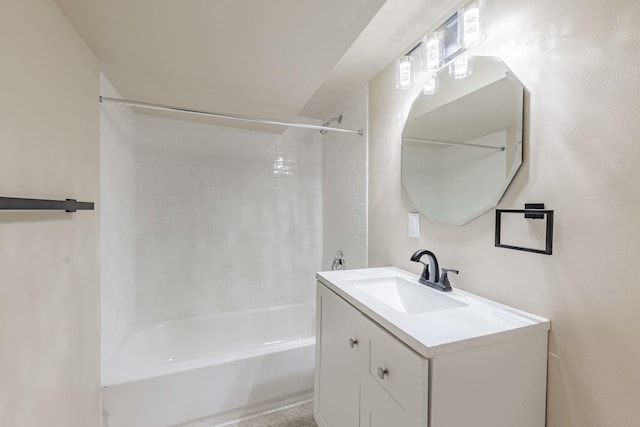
(214, 368)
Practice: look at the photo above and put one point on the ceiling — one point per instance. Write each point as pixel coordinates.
(275, 59)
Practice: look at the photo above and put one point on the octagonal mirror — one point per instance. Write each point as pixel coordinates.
(462, 144)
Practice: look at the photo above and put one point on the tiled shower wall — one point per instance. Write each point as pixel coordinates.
(226, 219)
(345, 185)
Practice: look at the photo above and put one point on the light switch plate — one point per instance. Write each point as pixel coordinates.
(414, 224)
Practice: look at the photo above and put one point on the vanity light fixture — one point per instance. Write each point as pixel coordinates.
(461, 67)
(433, 51)
(405, 73)
(471, 24)
(446, 45)
(432, 85)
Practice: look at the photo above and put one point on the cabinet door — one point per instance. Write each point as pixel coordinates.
(338, 362)
(380, 409)
(395, 386)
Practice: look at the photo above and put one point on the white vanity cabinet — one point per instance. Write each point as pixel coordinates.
(366, 377)
(472, 363)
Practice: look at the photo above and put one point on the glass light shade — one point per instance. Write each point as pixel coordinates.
(433, 52)
(405, 73)
(461, 67)
(432, 85)
(471, 24)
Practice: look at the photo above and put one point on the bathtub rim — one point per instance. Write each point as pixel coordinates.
(150, 323)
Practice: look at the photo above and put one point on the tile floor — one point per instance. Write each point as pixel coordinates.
(296, 416)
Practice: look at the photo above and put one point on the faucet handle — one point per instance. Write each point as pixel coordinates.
(444, 277)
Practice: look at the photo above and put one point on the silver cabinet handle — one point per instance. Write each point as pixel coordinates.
(352, 342)
(382, 372)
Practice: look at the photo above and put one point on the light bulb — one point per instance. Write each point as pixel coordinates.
(432, 85)
(460, 67)
(433, 52)
(405, 73)
(471, 24)
(471, 19)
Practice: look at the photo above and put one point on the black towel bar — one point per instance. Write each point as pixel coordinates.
(531, 211)
(68, 205)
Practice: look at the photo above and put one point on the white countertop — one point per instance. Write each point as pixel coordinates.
(479, 322)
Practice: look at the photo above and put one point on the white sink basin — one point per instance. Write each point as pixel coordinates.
(406, 297)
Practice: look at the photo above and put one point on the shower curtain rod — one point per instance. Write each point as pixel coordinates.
(466, 144)
(236, 117)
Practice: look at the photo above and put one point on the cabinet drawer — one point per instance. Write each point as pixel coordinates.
(398, 369)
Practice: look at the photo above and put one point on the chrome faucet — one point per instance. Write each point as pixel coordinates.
(438, 281)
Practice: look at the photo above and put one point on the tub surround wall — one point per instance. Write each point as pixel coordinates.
(344, 189)
(50, 291)
(579, 65)
(227, 219)
(117, 210)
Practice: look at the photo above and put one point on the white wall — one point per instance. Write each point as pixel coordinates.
(344, 178)
(227, 219)
(50, 286)
(579, 61)
(117, 227)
